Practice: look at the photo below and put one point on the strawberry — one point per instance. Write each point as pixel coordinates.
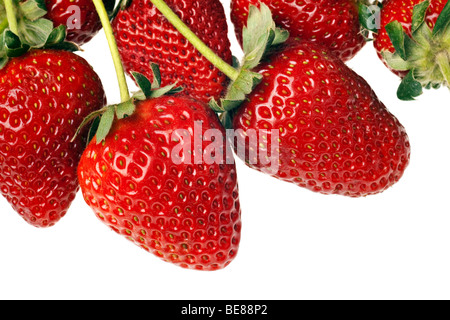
(144, 35)
(332, 23)
(410, 45)
(79, 16)
(335, 136)
(44, 96)
(183, 210)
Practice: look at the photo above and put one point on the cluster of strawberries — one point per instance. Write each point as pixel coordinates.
(333, 134)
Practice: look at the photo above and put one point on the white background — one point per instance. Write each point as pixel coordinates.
(295, 244)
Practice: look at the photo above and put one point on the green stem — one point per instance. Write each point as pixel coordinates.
(228, 70)
(100, 7)
(11, 16)
(3, 25)
(442, 59)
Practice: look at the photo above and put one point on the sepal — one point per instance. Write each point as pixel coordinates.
(33, 32)
(425, 54)
(102, 120)
(259, 36)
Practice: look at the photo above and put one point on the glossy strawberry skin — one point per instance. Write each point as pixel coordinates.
(44, 96)
(334, 24)
(336, 137)
(401, 11)
(186, 214)
(144, 35)
(80, 31)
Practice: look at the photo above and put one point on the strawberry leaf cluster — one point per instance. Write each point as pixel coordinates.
(33, 31)
(259, 36)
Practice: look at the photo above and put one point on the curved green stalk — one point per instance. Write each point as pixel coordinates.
(100, 7)
(228, 70)
(11, 16)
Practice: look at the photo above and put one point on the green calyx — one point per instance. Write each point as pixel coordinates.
(425, 55)
(103, 119)
(259, 36)
(369, 16)
(23, 28)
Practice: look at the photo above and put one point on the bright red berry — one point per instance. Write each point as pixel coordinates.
(44, 96)
(334, 135)
(144, 35)
(183, 210)
(334, 24)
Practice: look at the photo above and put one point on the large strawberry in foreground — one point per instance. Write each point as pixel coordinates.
(414, 42)
(44, 96)
(334, 134)
(144, 36)
(334, 24)
(151, 182)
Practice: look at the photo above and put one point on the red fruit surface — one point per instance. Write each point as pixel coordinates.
(79, 16)
(335, 136)
(144, 36)
(334, 24)
(186, 214)
(44, 96)
(401, 11)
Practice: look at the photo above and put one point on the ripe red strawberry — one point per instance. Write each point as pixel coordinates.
(184, 211)
(334, 24)
(335, 136)
(144, 35)
(402, 11)
(79, 16)
(44, 96)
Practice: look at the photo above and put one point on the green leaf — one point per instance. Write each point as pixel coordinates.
(65, 45)
(143, 83)
(443, 21)
(259, 34)
(170, 89)
(57, 35)
(88, 119)
(125, 109)
(235, 62)
(409, 88)
(281, 35)
(419, 14)
(3, 62)
(369, 16)
(394, 61)
(423, 36)
(35, 33)
(12, 45)
(152, 90)
(124, 4)
(226, 119)
(93, 129)
(156, 83)
(215, 106)
(397, 36)
(105, 124)
(237, 91)
(33, 9)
